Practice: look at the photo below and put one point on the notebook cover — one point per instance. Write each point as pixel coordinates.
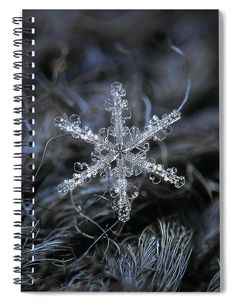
(118, 124)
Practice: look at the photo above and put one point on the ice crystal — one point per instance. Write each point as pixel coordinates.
(120, 152)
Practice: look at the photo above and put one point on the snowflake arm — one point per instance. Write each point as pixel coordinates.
(156, 171)
(156, 129)
(83, 173)
(119, 191)
(84, 133)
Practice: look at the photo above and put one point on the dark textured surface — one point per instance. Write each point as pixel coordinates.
(78, 55)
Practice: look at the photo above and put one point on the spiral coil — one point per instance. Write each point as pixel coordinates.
(24, 87)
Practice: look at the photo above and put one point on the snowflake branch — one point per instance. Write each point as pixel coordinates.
(157, 171)
(119, 190)
(84, 133)
(168, 175)
(84, 173)
(122, 191)
(156, 129)
(117, 120)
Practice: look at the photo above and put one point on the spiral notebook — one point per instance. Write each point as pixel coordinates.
(117, 150)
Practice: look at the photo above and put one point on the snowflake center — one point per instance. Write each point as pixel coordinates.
(120, 149)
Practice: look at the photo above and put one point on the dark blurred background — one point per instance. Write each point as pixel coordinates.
(78, 55)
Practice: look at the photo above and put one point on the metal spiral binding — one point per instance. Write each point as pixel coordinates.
(24, 99)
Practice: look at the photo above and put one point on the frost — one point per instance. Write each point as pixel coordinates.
(123, 146)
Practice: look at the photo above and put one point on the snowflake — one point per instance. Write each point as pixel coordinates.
(120, 152)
